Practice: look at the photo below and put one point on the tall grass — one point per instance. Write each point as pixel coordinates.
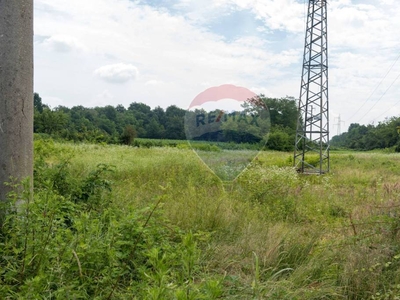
(274, 234)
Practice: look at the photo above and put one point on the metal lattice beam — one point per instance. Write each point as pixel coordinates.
(312, 135)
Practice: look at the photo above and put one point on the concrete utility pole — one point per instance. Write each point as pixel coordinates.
(16, 92)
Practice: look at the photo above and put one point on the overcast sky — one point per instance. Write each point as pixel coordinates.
(164, 52)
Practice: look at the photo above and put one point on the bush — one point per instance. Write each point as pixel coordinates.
(129, 135)
(205, 147)
(272, 187)
(73, 242)
(280, 141)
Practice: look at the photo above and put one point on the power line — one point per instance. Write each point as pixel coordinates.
(369, 97)
(388, 108)
(379, 98)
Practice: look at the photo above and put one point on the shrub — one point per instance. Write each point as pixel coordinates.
(129, 135)
(272, 187)
(73, 242)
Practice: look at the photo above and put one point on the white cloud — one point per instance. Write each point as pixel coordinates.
(262, 90)
(105, 95)
(154, 82)
(63, 43)
(102, 99)
(51, 101)
(177, 52)
(117, 73)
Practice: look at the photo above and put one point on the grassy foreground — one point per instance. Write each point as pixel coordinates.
(115, 222)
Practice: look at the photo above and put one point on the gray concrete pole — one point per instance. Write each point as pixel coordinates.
(16, 91)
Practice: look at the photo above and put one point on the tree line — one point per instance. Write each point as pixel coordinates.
(120, 125)
(108, 124)
(369, 137)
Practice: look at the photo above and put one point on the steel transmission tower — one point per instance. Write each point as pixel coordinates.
(311, 154)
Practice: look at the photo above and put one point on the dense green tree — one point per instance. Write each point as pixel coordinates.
(154, 130)
(64, 109)
(141, 111)
(174, 128)
(37, 103)
(107, 125)
(362, 137)
(50, 122)
(113, 124)
(283, 116)
(159, 113)
(110, 112)
(280, 139)
(120, 108)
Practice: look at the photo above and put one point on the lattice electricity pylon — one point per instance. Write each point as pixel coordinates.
(311, 154)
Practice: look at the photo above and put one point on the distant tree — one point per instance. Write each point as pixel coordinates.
(129, 135)
(64, 109)
(174, 111)
(106, 125)
(141, 111)
(154, 130)
(283, 112)
(120, 108)
(174, 127)
(283, 117)
(280, 140)
(110, 112)
(50, 122)
(159, 114)
(369, 137)
(37, 103)
(117, 124)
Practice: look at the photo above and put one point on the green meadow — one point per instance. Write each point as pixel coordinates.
(120, 222)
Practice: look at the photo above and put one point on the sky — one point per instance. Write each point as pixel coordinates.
(165, 52)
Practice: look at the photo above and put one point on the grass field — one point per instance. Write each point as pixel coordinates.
(271, 234)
